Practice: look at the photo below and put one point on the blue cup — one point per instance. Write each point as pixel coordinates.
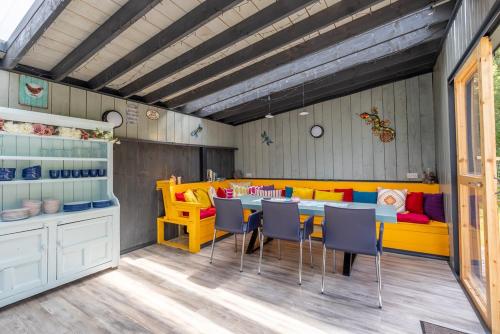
(75, 173)
(65, 173)
(84, 172)
(54, 173)
(101, 172)
(93, 172)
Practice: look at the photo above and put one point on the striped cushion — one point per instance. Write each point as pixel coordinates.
(394, 197)
(229, 193)
(252, 190)
(268, 193)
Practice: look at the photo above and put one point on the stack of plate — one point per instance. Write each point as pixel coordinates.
(76, 206)
(32, 173)
(51, 206)
(7, 174)
(15, 214)
(33, 206)
(102, 203)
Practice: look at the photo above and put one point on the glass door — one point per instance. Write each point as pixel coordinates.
(477, 183)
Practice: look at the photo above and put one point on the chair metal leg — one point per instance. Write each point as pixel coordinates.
(279, 249)
(323, 271)
(300, 263)
(334, 262)
(261, 248)
(311, 251)
(379, 280)
(235, 243)
(242, 251)
(213, 244)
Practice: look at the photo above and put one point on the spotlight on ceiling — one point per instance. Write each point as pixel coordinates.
(269, 115)
(304, 113)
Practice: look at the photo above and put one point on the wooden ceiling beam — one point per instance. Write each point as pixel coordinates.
(265, 17)
(34, 26)
(188, 23)
(292, 33)
(123, 18)
(330, 83)
(382, 77)
(379, 42)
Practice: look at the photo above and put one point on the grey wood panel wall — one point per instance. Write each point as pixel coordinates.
(171, 127)
(138, 166)
(469, 18)
(348, 150)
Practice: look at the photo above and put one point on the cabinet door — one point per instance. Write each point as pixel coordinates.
(23, 261)
(83, 245)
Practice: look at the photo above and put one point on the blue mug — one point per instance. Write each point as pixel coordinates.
(75, 173)
(54, 173)
(84, 172)
(93, 172)
(65, 173)
(101, 172)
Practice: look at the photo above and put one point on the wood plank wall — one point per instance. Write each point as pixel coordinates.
(348, 150)
(171, 127)
(138, 166)
(469, 18)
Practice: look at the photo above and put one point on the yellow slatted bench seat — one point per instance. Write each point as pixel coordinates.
(429, 238)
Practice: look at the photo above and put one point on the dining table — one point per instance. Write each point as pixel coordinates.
(385, 214)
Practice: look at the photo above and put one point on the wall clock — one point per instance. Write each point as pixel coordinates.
(317, 131)
(114, 117)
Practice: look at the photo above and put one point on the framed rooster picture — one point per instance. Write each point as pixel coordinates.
(33, 92)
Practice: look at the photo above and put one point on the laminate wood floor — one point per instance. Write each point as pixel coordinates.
(161, 290)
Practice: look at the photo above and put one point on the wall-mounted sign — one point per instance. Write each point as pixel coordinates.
(131, 113)
(33, 92)
(153, 114)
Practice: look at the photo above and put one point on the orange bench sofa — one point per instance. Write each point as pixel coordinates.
(431, 239)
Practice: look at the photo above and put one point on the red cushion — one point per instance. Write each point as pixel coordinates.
(413, 218)
(180, 197)
(415, 202)
(221, 193)
(205, 213)
(348, 193)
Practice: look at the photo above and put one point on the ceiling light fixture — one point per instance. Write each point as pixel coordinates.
(269, 115)
(303, 112)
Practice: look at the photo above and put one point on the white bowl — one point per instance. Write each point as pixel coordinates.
(51, 206)
(33, 205)
(15, 214)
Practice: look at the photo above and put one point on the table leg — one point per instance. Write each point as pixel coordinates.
(348, 262)
(251, 244)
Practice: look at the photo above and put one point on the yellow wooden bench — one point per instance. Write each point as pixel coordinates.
(199, 231)
(429, 238)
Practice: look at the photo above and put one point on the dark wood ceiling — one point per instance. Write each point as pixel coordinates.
(232, 61)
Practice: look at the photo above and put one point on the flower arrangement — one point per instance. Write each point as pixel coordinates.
(49, 130)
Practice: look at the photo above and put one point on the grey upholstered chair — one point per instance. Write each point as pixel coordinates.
(229, 218)
(352, 231)
(281, 220)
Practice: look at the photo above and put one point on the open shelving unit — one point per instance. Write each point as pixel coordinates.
(63, 246)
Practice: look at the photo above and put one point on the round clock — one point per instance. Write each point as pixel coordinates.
(317, 131)
(152, 114)
(114, 117)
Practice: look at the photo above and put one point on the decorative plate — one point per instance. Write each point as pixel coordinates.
(152, 114)
(317, 131)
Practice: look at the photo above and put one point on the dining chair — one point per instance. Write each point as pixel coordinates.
(352, 231)
(281, 220)
(229, 218)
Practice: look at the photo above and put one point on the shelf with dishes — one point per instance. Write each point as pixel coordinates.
(51, 207)
(44, 158)
(33, 174)
(29, 135)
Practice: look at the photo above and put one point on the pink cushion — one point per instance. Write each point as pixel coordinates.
(416, 218)
(205, 213)
(180, 197)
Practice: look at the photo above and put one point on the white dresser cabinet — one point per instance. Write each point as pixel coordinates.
(23, 262)
(83, 245)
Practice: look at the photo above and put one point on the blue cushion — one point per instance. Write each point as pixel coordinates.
(288, 192)
(365, 197)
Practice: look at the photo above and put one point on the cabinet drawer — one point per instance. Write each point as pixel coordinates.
(23, 261)
(83, 245)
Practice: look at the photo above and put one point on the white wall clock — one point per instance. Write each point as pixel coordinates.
(317, 131)
(114, 117)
